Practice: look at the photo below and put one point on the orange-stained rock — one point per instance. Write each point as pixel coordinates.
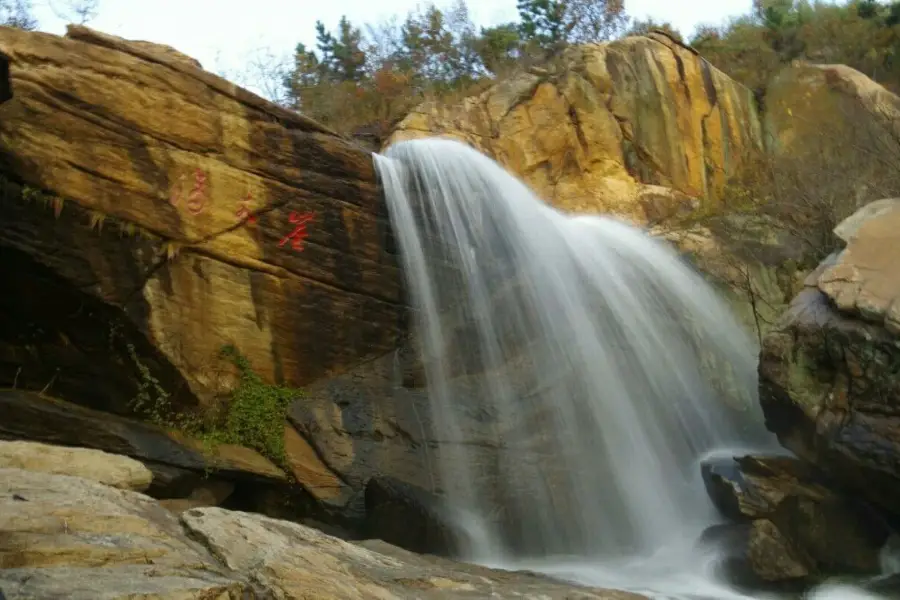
(612, 119)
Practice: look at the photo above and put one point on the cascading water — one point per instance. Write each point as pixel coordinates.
(599, 367)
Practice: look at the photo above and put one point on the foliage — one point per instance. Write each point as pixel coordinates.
(253, 417)
(368, 78)
(17, 13)
(75, 11)
(256, 413)
(863, 34)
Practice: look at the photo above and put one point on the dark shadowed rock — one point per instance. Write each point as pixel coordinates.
(791, 526)
(409, 517)
(182, 468)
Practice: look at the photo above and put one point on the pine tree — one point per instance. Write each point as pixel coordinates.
(348, 57)
(543, 22)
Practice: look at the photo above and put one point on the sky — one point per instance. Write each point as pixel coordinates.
(222, 34)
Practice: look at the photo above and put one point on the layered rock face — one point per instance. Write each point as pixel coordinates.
(154, 213)
(639, 127)
(64, 536)
(828, 375)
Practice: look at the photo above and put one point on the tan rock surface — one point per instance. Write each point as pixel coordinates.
(804, 100)
(613, 119)
(66, 537)
(864, 279)
(158, 215)
(293, 560)
(109, 469)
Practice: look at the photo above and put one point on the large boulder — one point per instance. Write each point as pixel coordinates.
(799, 529)
(859, 113)
(67, 537)
(154, 213)
(828, 374)
(110, 469)
(638, 126)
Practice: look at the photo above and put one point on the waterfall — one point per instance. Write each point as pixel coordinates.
(595, 363)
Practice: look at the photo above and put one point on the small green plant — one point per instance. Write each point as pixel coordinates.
(255, 416)
(151, 398)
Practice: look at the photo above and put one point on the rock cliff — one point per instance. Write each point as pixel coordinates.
(153, 213)
(638, 126)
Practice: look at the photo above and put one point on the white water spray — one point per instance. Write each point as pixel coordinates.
(603, 367)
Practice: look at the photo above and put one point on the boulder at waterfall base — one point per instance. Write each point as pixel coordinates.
(789, 525)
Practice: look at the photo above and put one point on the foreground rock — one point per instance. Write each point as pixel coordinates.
(638, 127)
(66, 537)
(828, 376)
(110, 469)
(793, 527)
(181, 468)
(163, 217)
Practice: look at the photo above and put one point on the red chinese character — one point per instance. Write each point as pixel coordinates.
(299, 233)
(244, 210)
(197, 197)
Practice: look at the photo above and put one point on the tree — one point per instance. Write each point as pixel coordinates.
(594, 20)
(17, 13)
(552, 24)
(305, 74)
(349, 57)
(499, 47)
(543, 23)
(76, 11)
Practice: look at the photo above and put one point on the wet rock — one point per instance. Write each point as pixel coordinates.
(406, 516)
(375, 423)
(799, 527)
(773, 557)
(729, 543)
(110, 469)
(366, 423)
(828, 375)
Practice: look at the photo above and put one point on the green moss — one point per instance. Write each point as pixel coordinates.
(256, 414)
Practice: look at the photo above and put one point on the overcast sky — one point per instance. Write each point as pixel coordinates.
(221, 34)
